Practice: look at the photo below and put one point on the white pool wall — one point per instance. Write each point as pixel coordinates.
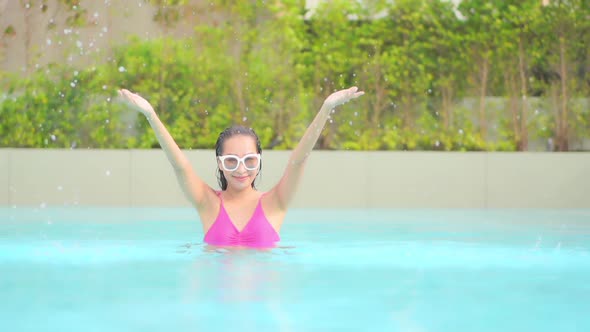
(333, 179)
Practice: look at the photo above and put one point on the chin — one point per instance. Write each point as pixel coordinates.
(242, 185)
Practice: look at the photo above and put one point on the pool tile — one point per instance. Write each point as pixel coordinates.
(152, 180)
(334, 179)
(4, 173)
(538, 180)
(42, 177)
(426, 180)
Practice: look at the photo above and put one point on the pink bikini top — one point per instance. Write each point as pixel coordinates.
(258, 232)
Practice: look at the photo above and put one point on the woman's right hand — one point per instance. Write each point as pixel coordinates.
(137, 102)
(342, 96)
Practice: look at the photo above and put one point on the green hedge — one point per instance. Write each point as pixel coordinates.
(428, 72)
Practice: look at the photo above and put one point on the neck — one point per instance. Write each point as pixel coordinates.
(231, 193)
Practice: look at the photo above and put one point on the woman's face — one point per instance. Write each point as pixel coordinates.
(239, 146)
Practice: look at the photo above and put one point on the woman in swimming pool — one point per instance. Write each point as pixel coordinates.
(239, 215)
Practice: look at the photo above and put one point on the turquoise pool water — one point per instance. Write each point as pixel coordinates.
(91, 269)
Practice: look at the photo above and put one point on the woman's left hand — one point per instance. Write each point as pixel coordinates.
(137, 102)
(342, 96)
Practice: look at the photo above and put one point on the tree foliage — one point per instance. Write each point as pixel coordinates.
(486, 75)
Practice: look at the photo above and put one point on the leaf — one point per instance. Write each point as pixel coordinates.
(9, 31)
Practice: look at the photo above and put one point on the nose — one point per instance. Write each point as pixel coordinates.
(241, 167)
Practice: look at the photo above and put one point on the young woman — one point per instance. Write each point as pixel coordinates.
(238, 214)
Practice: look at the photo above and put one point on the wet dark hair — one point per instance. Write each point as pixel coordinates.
(230, 132)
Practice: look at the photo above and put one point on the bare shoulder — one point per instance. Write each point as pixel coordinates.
(273, 210)
(209, 201)
(208, 207)
(270, 201)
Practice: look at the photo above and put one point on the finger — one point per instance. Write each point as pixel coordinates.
(129, 93)
(122, 92)
(127, 96)
(125, 93)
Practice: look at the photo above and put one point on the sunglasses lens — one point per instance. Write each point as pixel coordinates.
(251, 162)
(230, 163)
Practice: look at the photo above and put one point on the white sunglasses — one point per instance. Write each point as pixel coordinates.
(230, 162)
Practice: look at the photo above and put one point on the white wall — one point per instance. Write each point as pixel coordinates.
(31, 177)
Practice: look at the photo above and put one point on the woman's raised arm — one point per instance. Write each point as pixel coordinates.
(194, 188)
(285, 190)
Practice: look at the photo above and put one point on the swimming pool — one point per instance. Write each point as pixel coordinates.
(103, 269)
